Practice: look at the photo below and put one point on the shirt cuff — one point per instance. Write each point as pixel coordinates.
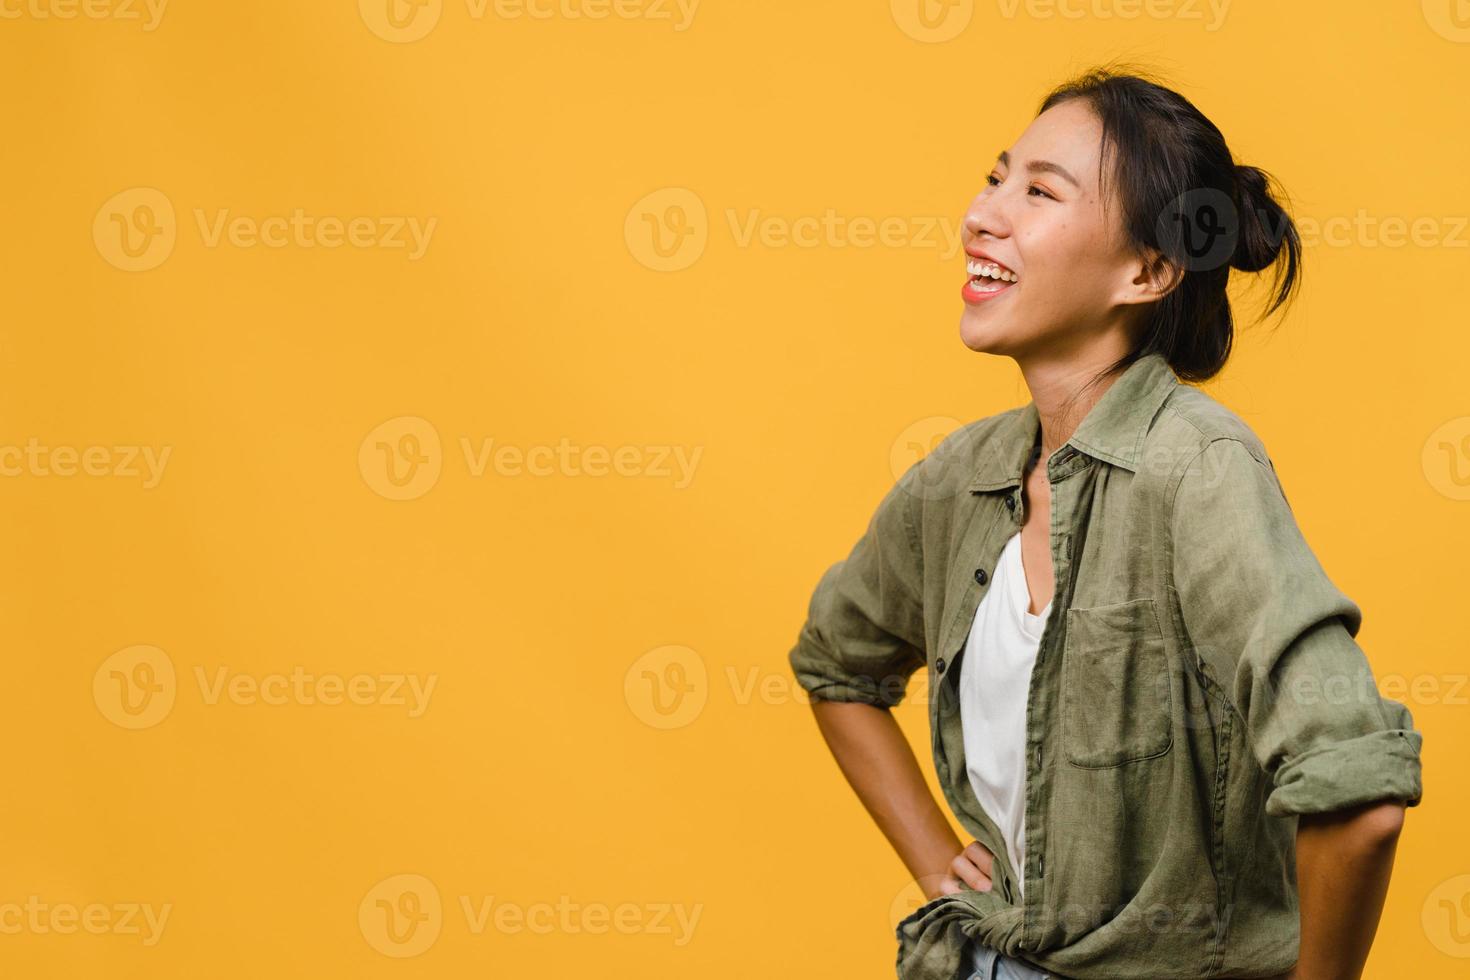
(1381, 765)
(823, 680)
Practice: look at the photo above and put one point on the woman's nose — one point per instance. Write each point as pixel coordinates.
(986, 215)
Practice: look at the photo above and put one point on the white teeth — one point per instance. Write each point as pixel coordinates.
(977, 267)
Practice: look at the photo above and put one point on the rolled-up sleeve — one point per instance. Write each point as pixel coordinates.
(1273, 631)
(864, 632)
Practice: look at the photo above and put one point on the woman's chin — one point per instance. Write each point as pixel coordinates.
(981, 335)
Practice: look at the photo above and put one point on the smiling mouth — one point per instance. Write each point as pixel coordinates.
(987, 279)
(982, 269)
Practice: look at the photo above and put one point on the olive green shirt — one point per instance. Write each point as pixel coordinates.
(1197, 686)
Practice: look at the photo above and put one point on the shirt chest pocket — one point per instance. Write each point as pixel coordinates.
(1116, 698)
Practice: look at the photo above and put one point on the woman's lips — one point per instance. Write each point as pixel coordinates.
(980, 289)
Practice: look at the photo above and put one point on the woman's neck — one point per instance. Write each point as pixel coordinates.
(1052, 385)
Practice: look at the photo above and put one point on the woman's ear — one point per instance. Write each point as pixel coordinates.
(1157, 276)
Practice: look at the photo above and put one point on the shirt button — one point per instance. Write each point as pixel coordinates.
(1010, 501)
(980, 575)
(939, 665)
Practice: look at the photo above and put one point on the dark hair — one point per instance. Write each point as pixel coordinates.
(1183, 195)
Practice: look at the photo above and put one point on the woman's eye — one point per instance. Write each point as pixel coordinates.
(994, 181)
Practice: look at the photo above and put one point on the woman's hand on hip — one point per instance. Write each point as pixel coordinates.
(971, 868)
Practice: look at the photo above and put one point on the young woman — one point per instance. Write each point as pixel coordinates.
(1146, 701)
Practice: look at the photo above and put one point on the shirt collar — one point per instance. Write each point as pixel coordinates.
(1112, 431)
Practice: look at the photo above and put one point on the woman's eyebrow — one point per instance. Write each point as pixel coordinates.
(1043, 166)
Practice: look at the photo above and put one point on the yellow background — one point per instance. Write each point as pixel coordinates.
(543, 772)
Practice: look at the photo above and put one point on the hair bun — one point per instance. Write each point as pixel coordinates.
(1264, 223)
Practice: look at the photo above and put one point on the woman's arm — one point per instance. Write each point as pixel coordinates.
(1275, 634)
(876, 758)
(1343, 862)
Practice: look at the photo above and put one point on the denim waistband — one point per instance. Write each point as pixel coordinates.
(987, 964)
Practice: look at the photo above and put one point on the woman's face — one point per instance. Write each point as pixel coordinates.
(1040, 216)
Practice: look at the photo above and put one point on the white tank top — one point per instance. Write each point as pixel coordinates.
(995, 678)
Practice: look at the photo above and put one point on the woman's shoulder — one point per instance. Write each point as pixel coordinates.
(1204, 458)
(1190, 421)
(981, 453)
